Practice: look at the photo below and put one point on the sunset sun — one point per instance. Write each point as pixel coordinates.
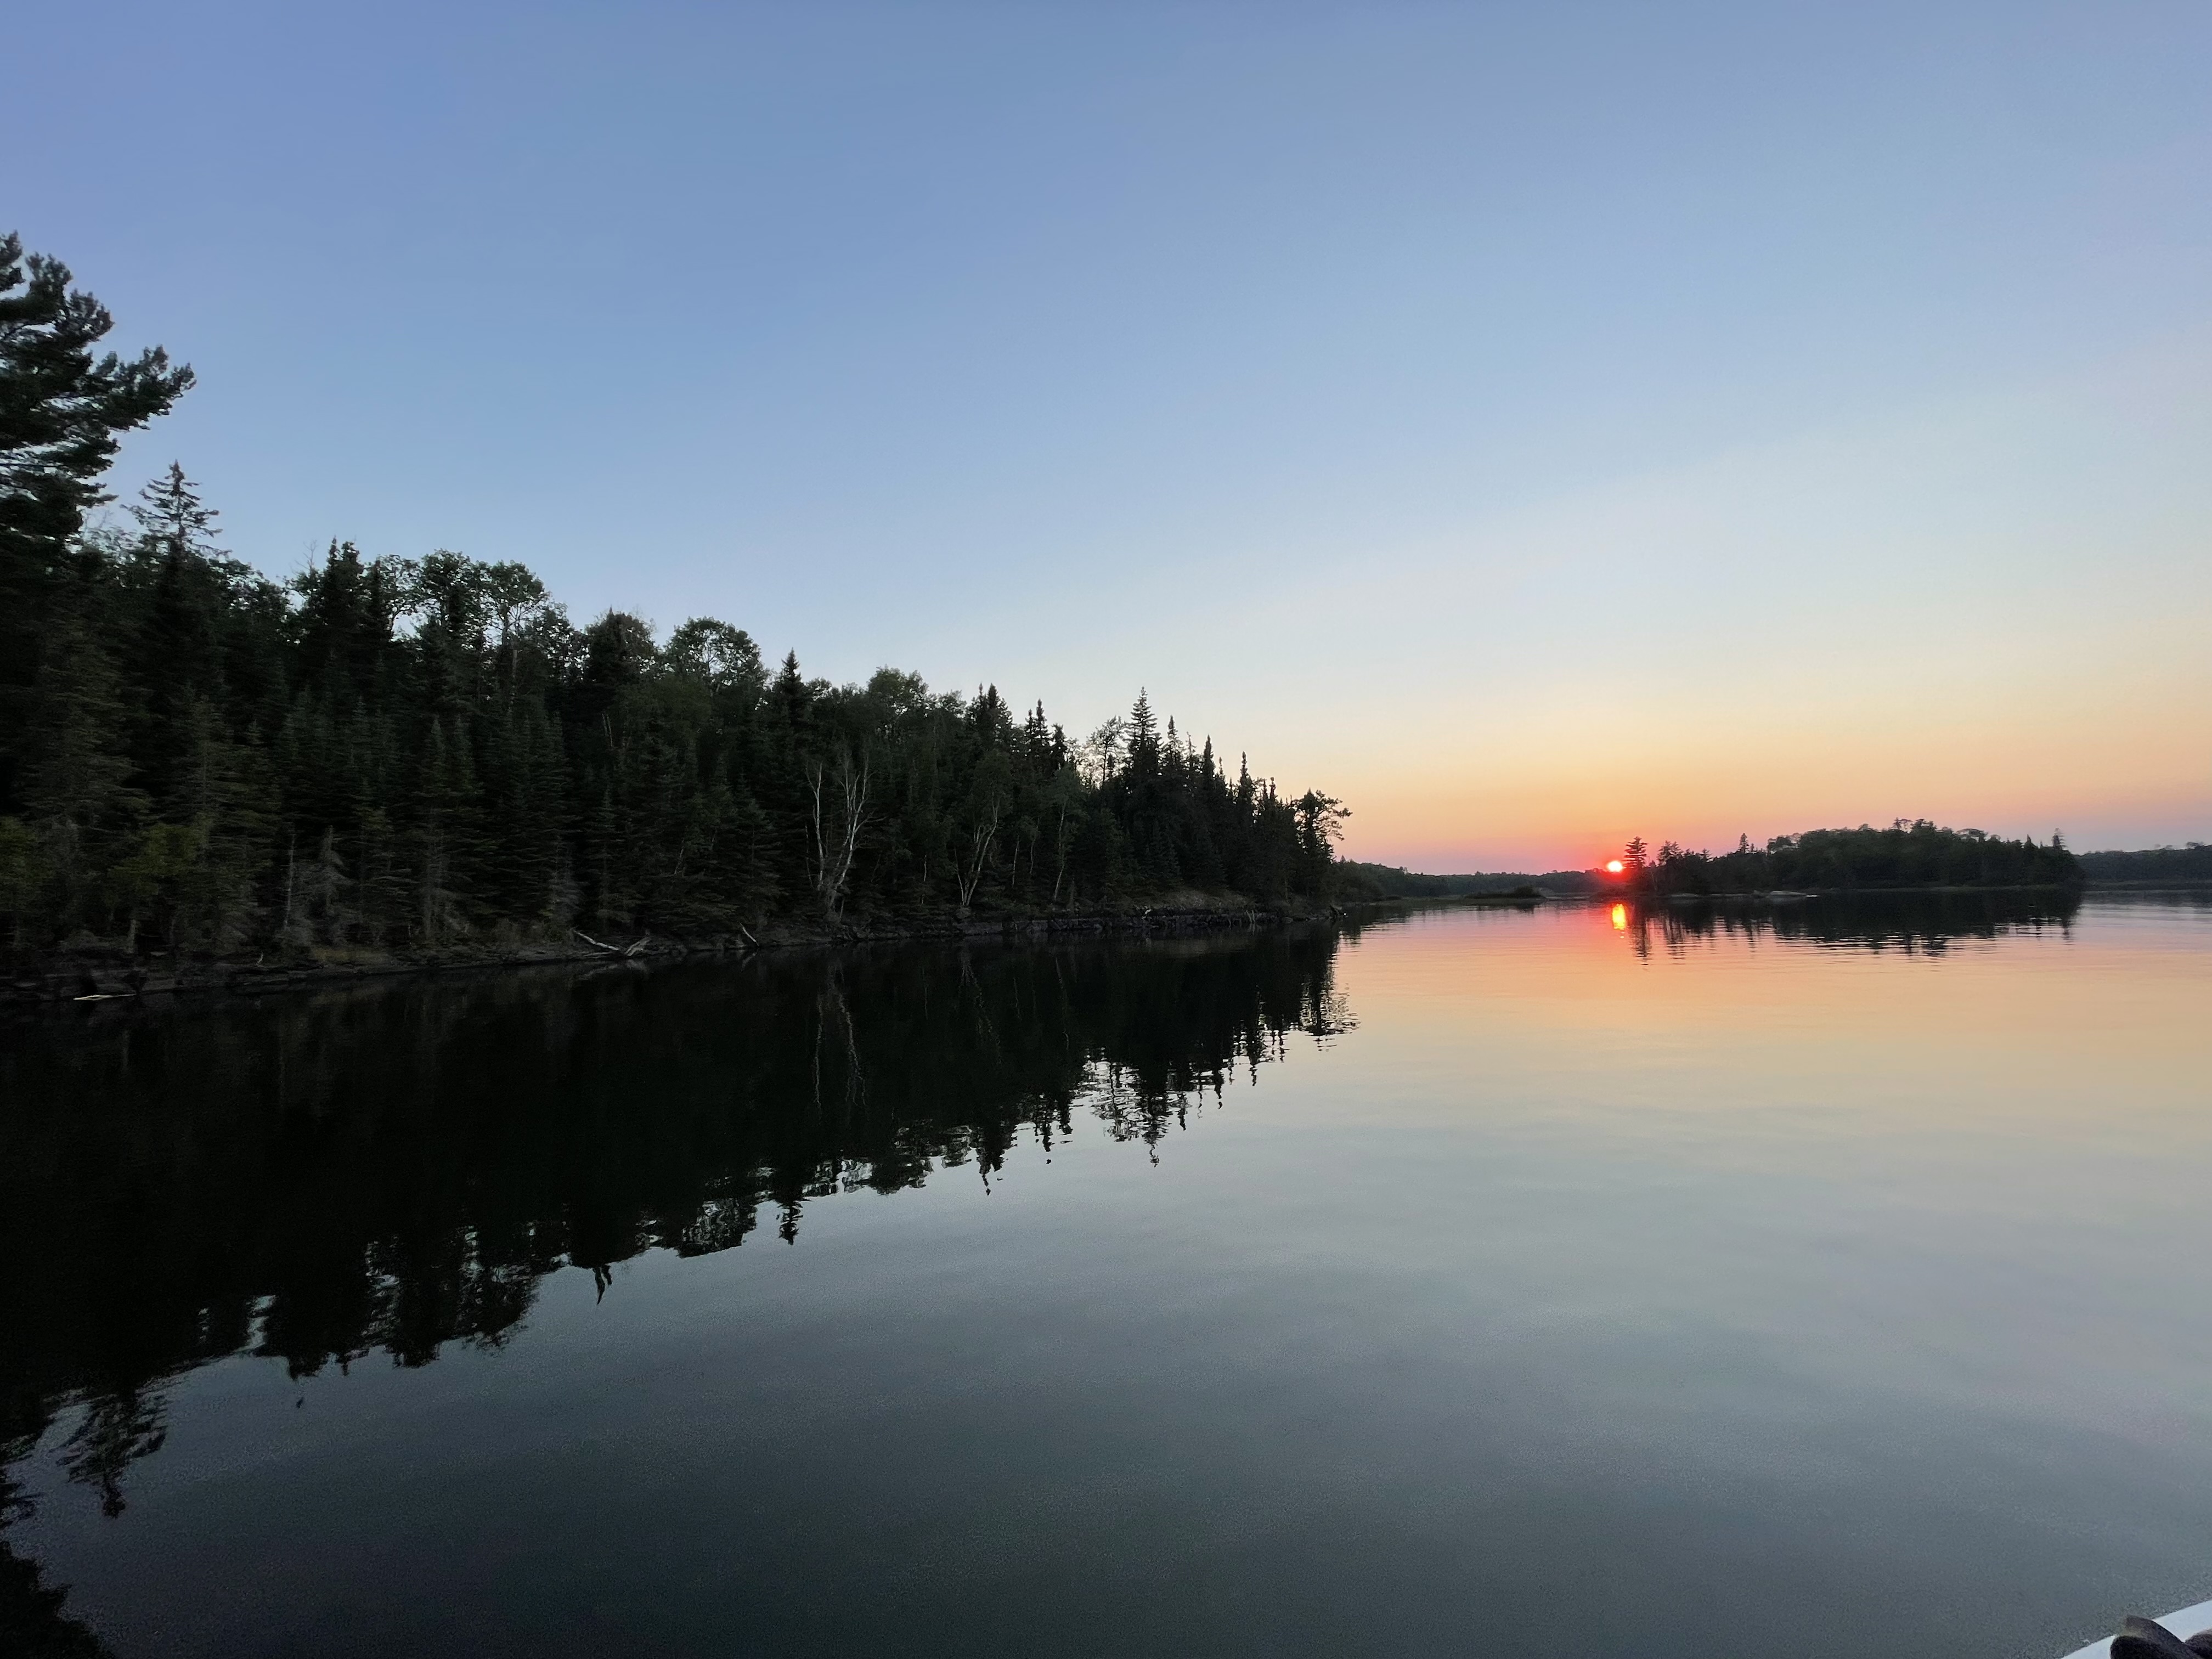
(1615, 866)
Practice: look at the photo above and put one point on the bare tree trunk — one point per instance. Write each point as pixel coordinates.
(970, 875)
(291, 884)
(856, 1077)
(855, 788)
(1060, 848)
(814, 792)
(835, 848)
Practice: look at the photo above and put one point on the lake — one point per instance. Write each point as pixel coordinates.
(1829, 1281)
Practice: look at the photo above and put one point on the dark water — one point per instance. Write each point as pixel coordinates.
(1834, 1283)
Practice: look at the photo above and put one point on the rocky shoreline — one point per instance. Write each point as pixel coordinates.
(99, 972)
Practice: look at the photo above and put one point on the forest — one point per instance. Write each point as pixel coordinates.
(1906, 855)
(388, 752)
(2190, 865)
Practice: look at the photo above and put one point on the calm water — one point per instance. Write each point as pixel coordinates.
(1693, 1288)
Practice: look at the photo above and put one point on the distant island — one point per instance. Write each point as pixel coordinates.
(393, 754)
(2156, 867)
(1914, 854)
(1908, 855)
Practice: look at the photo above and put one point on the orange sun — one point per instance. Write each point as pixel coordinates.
(1615, 866)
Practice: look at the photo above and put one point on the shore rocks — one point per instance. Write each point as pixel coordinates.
(93, 972)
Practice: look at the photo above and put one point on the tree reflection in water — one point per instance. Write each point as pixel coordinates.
(394, 1167)
(1925, 922)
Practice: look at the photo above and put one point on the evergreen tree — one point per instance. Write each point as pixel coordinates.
(386, 751)
(61, 410)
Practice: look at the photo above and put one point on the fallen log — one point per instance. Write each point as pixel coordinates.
(613, 950)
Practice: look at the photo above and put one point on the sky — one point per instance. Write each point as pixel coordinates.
(1533, 425)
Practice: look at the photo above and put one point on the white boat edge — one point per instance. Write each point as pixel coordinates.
(2185, 1623)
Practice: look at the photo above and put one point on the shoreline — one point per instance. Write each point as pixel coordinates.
(96, 975)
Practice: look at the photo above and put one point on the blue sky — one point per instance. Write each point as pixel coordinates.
(1534, 424)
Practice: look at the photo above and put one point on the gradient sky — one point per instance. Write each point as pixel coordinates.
(1535, 425)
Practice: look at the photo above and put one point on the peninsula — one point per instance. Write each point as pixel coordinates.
(425, 757)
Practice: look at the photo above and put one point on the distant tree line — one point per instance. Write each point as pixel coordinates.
(1906, 855)
(390, 752)
(2192, 863)
(1356, 880)
(1915, 854)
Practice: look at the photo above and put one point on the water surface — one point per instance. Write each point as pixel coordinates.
(1835, 1282)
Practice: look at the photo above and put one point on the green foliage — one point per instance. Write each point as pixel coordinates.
(61, 412)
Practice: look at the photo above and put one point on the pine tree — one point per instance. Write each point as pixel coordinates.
(172, 521)
(61, 410)
(176, 658)
(1144, 734)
